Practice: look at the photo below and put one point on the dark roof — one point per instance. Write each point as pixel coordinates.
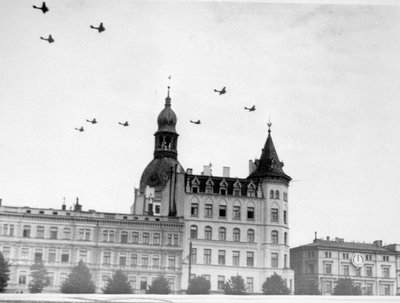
(320, 243)
(269, 164)
(157, 172)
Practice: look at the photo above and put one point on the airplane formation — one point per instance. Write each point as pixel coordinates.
(100, 29)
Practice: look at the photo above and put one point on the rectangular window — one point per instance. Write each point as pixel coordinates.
(328, 268)
(387, 290)
(146, 238)
(236, 212)
(236, 191)
(310, 268)
(122, 260)
(124, 237)
(285, 261)
(135, 237)
(369, 271)
(67, 233)
(358, 272)
(134, 260)
(6, 252)
(8, 229)
(65, 256)
(108, 235)
(107, 258)
(22, 278)
(250, 212)
(221, 257)
(156, 261)
(368, 257)
(39, 254)
(274, 215)
(222, 211)
(143, 283)
(250, 259)
(250, 285)
(50, 275)
(176, 240)
(221, 282)
(208, 210)
(25, 253)
(386, 272)
(207, 256)
(346, 270)
(368, 289)
(285, 217)
(84, 234)
(386, 258)
(235, 258)
(274, 260)
(169, 239)
(194, 210)
(145, 261)
(345, 255)
(171, 262)
(156, 239)
(52, 255)
(83, 255)
(132, 282)
(40, 232)
(26, 232)
(328, 254)
(53, 232)
(194, 256)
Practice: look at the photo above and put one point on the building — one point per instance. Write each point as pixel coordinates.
(372, 267)
(232, 225)
(143, 247)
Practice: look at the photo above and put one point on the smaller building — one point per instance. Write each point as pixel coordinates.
(372, 266)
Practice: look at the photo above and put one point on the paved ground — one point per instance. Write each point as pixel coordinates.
(61, 298)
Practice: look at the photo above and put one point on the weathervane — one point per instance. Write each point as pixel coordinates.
(269, 125)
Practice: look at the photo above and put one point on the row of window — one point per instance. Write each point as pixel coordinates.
(222, 189)
(52, 256)
(208, 234)
(276, 195)
(345, 255)
(236, 212)
(138, 260)
(221, 282)
(358, 272)
(108, 235)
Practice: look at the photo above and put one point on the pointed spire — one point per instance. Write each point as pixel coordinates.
(168, 99)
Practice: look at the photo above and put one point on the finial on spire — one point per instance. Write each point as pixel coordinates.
(269, 126)
(168, 99)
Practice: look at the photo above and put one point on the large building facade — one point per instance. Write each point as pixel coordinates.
(372, 267)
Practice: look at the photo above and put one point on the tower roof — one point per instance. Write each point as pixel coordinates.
(269, 164)
(167, 118)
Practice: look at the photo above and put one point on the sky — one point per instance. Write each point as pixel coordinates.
(326, 74)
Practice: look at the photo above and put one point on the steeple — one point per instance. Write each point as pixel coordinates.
(269, 164)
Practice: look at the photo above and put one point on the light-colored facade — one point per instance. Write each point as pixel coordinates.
(372, 267)
(143, 247)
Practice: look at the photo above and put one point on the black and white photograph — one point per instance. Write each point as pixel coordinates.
(199, 151)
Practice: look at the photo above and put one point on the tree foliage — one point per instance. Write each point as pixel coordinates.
(307, 287)
(118, 284)
(235, 286)
(79, 281)
(159, 286)
(275, 285)
(199, 286)
(4, 273)
(345, 287)
(40, 277)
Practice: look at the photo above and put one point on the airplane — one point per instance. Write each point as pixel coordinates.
(44, 8)
(250, 109)
(195, 122)
(222, 91)
(94, 121)
(124, 124)
(80, 129)
(101, 28)
(49, 39)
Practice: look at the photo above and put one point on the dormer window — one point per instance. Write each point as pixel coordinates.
(237, 187)
(209, 186)
(251, 190)
(195, 185)
(223, 187)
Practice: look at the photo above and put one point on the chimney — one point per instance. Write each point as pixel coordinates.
(315, 235)
(189, 171)
(252, 167)
(207, 171)
(63, 206)
(328, 238)
(226, 171)
(77, 206)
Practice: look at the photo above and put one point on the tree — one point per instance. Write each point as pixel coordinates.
(4, 273)
(79, 281)
(307, 287)
(159, 286)
(118, 284)
(40, 277)
(235, 286)
(275, 285)
(345, 287)
(199, 286)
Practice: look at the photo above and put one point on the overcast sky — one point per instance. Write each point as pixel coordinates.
(327, 76)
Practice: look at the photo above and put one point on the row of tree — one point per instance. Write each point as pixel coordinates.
(80, 281)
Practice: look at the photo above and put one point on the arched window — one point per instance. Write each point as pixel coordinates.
(208, 233)
(271, 194)
(236, 234)
(277, 194)
(285, 238)
(222, 234)
(274, 237)
(250, 235)
(222, 210)
(193, 232)
(236, 212)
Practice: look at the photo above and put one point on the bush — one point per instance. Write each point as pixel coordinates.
(307, 287)
(199, 286)
(4, 273)
(79, 281)
(235, 286)
(159, 286)
(40, 278)
(275, 285)
(345, 287)
(118, 284)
